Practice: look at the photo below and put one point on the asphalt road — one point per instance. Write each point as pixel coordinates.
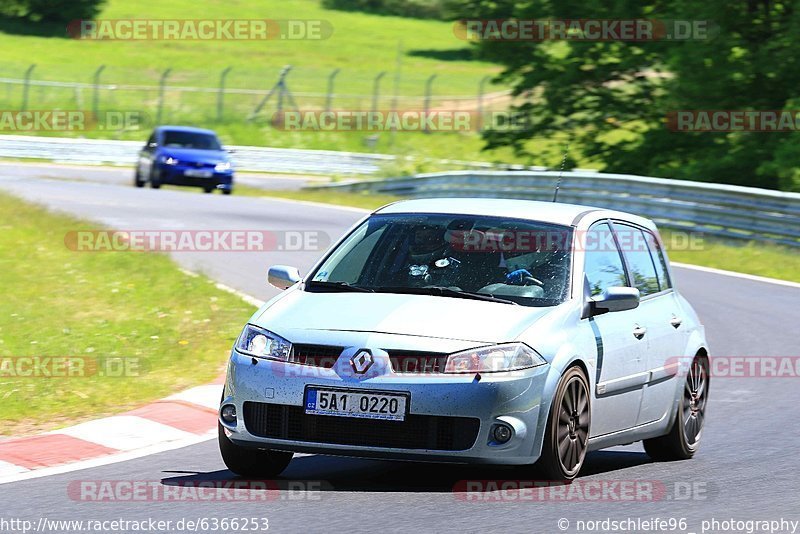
(746, 469)
(124, 175)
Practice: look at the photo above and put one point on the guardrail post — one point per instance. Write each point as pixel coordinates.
(26, 87)
(221, 93)
(329, 98)
(161, 84)
(96, 91)
(376, 85)
(428, 85)
(480, 102)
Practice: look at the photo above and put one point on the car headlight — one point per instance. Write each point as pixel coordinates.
(224, 166)
(497, 358)
(255, 341)
(168, 160)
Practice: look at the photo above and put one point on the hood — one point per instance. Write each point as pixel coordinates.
(195, 155)
(411, 315)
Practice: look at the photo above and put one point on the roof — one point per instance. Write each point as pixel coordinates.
(548, 212)
(190, 129)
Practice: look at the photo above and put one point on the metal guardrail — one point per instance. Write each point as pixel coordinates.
(721, 210)
(246, 158)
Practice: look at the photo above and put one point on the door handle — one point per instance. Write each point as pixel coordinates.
(639, 332)
(676, 321)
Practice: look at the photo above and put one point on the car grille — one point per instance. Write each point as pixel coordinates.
(409, 361)
(431, 432)
(324, 356)
(403, 361)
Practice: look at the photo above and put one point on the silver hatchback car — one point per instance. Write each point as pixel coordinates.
(471, 330)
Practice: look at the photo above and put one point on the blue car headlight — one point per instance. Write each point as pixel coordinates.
(169, 160)
(261, 343)
(223, 166)
(493, 359)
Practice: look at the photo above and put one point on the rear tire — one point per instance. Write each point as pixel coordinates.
(683, 439)
(208, 189)
(227, 191)
(566, 437)
(252, 463)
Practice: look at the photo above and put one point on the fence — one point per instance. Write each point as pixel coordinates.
(720, 210)
(234, 95)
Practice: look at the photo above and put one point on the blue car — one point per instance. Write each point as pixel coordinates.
(180, 155)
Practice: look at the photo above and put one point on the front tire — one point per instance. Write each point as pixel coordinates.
(251, 463)
(137, 180)
(566, 437)
(683, 439)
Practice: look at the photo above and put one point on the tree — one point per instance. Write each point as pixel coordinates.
(613, 97)
(51, 11)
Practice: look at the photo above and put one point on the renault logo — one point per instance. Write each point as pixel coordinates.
(362, 361)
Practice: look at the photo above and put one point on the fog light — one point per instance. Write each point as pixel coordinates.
(228, 414)
(502, 433)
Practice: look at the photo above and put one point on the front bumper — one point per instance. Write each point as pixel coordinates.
(277, 390)
(177, 175)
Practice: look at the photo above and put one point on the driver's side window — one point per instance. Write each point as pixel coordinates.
(603, 264)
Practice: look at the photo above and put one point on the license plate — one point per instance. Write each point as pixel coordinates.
(362, 404)
(198, 173)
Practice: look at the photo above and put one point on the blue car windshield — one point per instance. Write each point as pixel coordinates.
(521, 261)
(196, 140)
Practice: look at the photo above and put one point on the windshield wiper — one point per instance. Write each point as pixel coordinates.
(444, 292)
(341, 286)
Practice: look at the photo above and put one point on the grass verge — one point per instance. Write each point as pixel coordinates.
(119, 310)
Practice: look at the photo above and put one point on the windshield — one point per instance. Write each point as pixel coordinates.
(195, 140)
(520, 262)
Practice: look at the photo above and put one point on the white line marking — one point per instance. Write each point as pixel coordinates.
(244, 296)
(10, 469)
(207, 396)
(752, 277)
(125, 432)
(249, 299)
(107, 460)
(317, 204)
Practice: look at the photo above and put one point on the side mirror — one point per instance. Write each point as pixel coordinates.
(151, 146)
(614, 299)
(283, 276)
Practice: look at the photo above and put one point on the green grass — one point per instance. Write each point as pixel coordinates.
(774, 261)
(339, 198)
(361, 45)
(129, 305)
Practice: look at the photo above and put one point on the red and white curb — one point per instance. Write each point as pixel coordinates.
(180, 420)
(176, 421)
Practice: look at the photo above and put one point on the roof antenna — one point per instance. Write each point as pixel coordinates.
(561, 172)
